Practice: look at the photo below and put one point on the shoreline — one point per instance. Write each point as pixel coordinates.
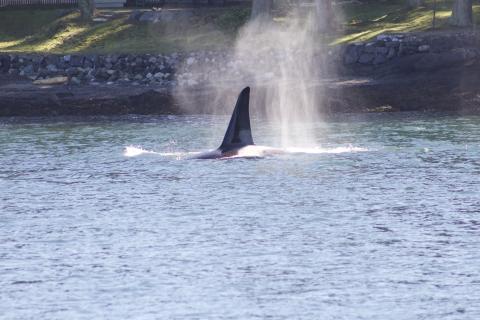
(407, 72)
(449, 90)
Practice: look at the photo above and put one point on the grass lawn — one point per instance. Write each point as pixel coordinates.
(60, 31)
(365, 21)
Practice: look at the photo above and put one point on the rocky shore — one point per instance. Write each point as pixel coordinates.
(396, 72)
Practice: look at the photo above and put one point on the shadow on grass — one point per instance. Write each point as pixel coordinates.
(67, 34)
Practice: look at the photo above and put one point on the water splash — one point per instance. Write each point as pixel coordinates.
(247, 152)
(281, 61)
(287, 70)
(132, 151)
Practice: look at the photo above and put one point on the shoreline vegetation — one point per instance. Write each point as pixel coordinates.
(383, 58)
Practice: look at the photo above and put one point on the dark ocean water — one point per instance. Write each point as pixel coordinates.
(380, 221)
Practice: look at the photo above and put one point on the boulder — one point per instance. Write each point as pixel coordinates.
(4, 63)
(51, 68)
(28, 70)
(366, 58)
(352, 53)
(381, 50)
(391, 53)
(76, 61)
(379, 59)
(424, 48)
(75, 81)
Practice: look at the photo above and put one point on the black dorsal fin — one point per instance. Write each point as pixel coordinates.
(239, 133)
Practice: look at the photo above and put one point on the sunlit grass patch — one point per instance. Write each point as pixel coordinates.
(362, 22)
(9, 44)
(417, 20)
(93, 36)
(48, 36)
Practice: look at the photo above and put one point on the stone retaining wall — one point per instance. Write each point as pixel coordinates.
(188, 69)
(388, 47)
(138, 69)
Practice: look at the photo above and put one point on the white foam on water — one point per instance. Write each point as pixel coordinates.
(320, 150)
(132, 151)
(246, 152)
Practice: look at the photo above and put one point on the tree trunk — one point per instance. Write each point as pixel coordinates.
(325, 15)
(261, 9)
(87, 8)
(415, 3)
(462, 13)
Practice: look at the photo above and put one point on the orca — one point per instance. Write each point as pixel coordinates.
(238, 141)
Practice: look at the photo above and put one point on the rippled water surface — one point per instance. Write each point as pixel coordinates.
(380, 221)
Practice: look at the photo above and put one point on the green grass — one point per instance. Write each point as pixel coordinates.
(365, 21)
(61, 31)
